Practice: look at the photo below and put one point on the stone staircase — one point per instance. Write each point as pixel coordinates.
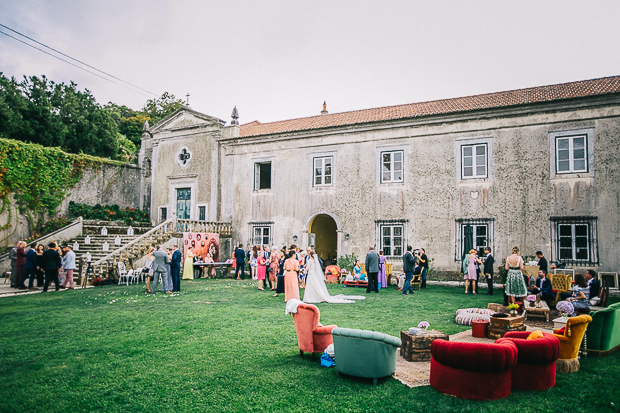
(95, 248)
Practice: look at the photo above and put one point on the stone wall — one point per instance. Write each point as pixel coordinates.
(106, 185)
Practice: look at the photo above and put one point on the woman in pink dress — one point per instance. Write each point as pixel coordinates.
(291, 283)
(261, 269)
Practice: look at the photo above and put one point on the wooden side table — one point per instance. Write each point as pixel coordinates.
(540, 310)
(418, 348)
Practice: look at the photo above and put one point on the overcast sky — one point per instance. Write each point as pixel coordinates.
(279, 60)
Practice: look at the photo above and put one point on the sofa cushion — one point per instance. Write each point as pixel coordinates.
(475, 356)
(534, 335)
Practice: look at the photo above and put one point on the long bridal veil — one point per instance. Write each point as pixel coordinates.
(316, 291)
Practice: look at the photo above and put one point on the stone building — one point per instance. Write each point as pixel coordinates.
(535, 167)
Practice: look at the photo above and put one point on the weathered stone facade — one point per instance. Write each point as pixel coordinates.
(522, 195)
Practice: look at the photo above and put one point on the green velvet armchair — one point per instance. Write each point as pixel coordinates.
(363, 353)
(604, 331)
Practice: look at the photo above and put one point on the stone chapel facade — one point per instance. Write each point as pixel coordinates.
(536, 167)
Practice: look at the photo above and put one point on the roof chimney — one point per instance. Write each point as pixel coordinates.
(324, 111)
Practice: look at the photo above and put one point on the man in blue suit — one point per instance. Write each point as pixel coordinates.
(543, 286)
(31, 267)
(240, 262)
(175, 268)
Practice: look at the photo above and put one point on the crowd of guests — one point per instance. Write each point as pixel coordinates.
(43, 265)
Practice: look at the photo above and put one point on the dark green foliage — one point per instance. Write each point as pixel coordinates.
(157, 109)
(108, 213)
(222, 346)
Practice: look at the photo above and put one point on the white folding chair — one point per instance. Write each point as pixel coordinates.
(129, 276)
(138, 275)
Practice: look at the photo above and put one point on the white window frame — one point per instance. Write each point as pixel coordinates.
(475, 223)
(395, 223)
(571, 154)
(588, 133)
(459, 143)
(392, 165)
(261, 227)
(590, 224)
(474, 158)
(323, 175)
(573, 241)
(257, 175)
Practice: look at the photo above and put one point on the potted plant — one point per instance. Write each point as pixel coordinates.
(531, 299)
(512, 309)
(565, 308)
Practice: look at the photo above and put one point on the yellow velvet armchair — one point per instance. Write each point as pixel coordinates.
(570, 341)
(561, 283)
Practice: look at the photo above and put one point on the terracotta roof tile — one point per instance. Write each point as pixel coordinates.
(463, 104)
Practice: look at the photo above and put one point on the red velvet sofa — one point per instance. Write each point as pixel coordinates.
(535, 368)
(311, 337)
(475, 371)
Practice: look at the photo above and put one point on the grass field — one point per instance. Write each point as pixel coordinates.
(223, 346)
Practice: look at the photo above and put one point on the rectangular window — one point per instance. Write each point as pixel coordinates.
(574, 240)
(481, 235)
(322, 171)
(163, 214)
(202, 213)
(474, 161)
(392, 240)
(571, 154)
(184, 203)
(261, 236)
(262, 175)
(392, 166)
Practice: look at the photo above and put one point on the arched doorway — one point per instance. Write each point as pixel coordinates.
(323, 229)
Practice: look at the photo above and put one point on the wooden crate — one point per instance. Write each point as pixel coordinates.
(507, 321)
(418, 348)
(498, 332)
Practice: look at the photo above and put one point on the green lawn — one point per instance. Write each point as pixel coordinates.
(223, 346)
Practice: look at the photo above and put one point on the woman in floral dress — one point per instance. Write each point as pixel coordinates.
(274, 263)
(515, 286)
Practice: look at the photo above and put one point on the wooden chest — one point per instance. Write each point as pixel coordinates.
(498, 332)
(507, 322)
(418, 348)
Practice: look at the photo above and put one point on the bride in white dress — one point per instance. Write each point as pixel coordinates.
(316, 291)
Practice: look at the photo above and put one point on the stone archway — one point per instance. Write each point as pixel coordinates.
(325, 232)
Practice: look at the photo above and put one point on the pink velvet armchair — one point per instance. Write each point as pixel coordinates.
(311, 337)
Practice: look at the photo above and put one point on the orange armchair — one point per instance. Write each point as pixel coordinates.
(570, 341)
(311, 337)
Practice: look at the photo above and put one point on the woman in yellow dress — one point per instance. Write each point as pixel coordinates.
(188, 267)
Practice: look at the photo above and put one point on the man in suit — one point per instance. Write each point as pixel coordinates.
(175, 268)
(372, 268)
(543, 286)
(408, 267)
(542, 262)
(13, 258)
(595, 286)
(51, 264)
(240, 262)
(31, 267)
(489, 263)
(160, 270)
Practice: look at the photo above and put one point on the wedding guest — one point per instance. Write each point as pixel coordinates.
(148, 266)
(175, 268)
(372, 269)
(254, 262)
(515, 286)
(31, 266)
(291, 285)
(382, 275)
(21, 266)
(274, 260)
(581, 295)
(408, 268)
(423, 260)
(40, 274)
(357, 271)
(159, 268)
(68, 263)
(51, 264)
(489, 263)
(13, 258)
(280, 284)
(239, 262)
(188, 267)
(169, 269)
(542, 262)
(471, 274)
(261, 269)
(542, 286)
(210, 268)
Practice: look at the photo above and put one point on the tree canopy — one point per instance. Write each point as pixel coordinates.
(38, 110)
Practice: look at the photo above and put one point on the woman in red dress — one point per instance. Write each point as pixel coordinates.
(261, 270)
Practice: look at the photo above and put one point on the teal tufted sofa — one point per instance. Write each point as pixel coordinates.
(363, 353)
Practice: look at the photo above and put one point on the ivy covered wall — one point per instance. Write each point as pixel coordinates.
(37, 183)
